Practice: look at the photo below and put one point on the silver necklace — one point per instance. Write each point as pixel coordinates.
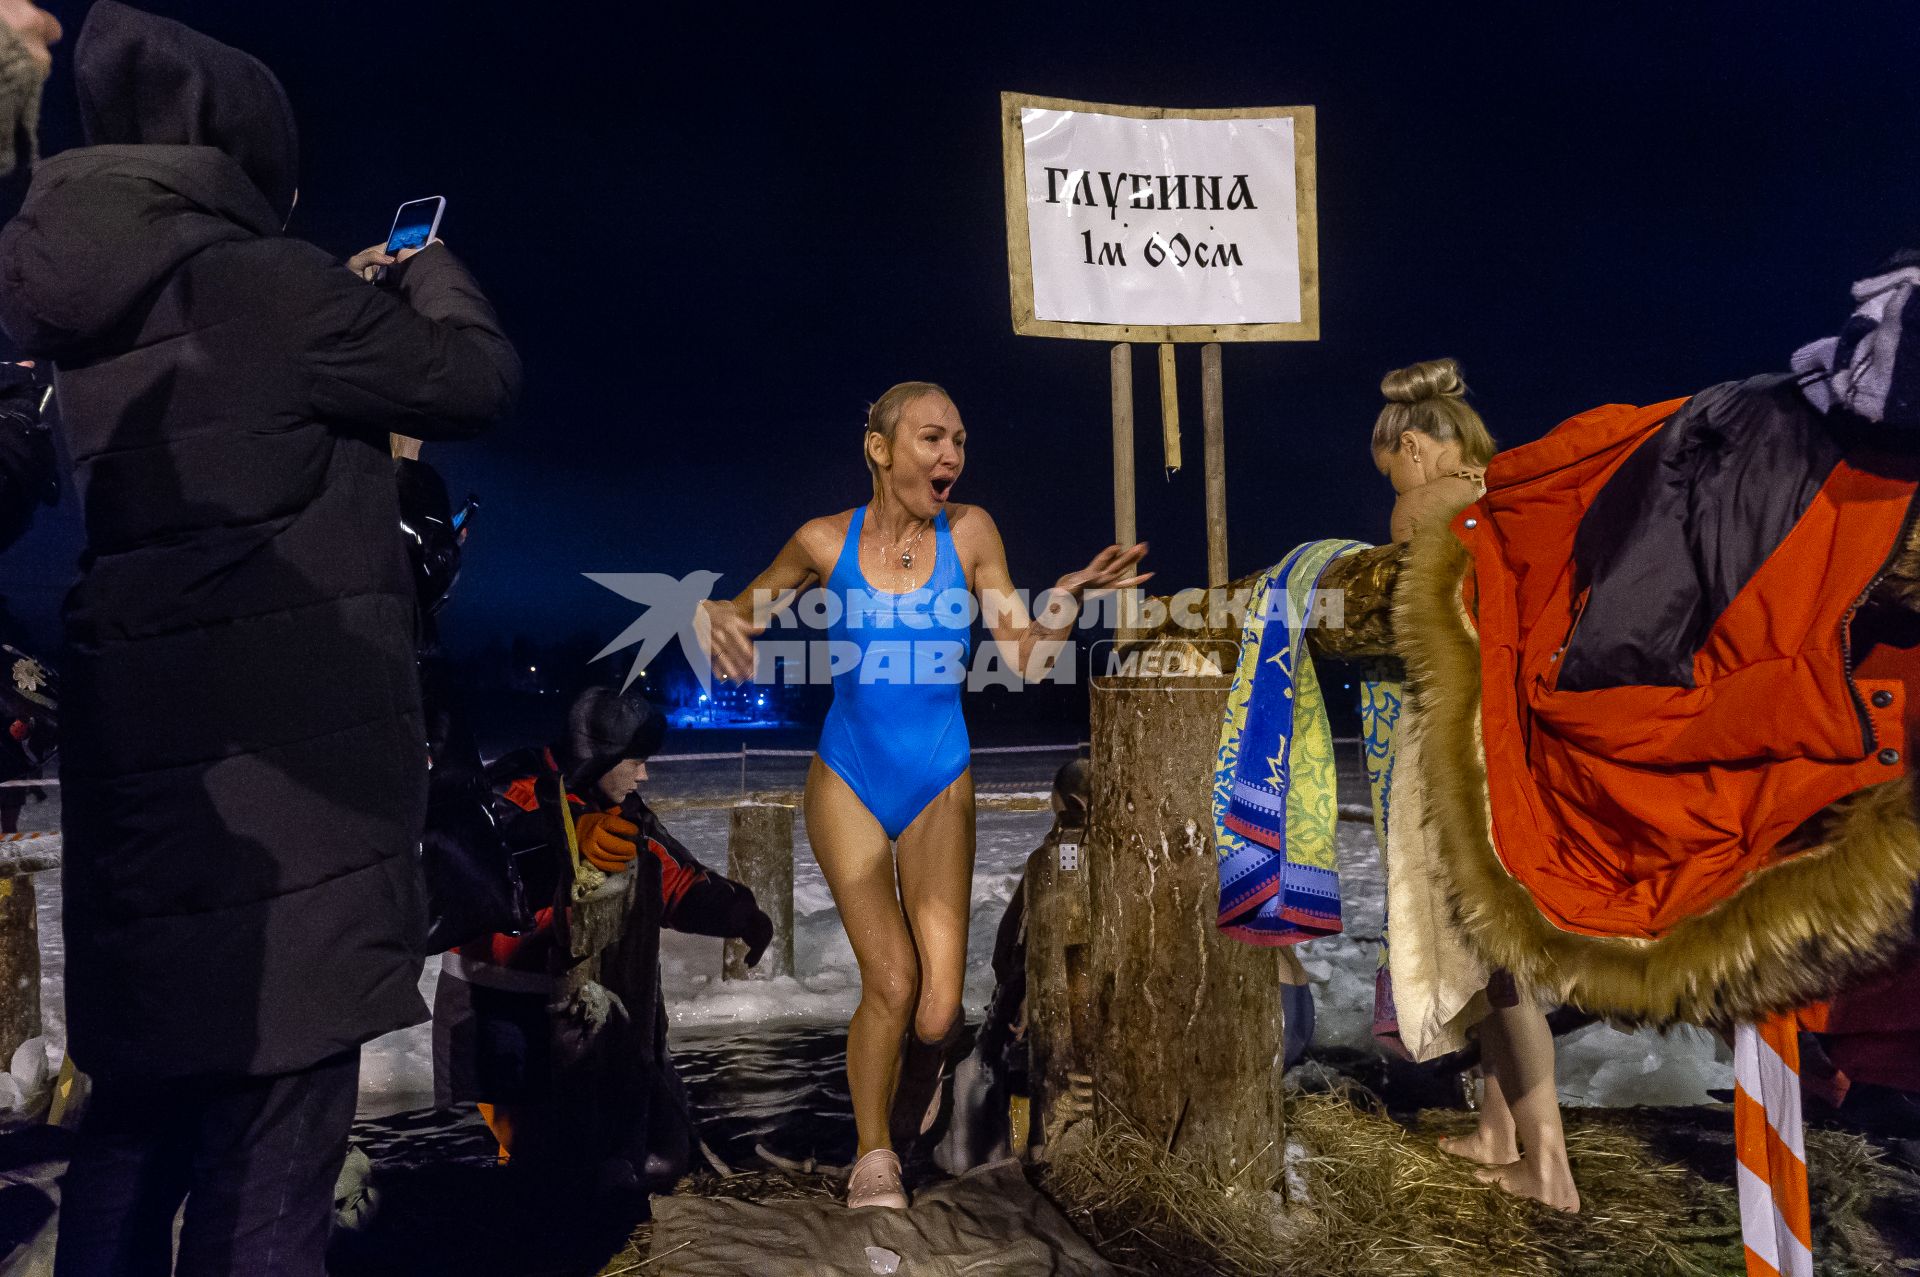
(906, 551)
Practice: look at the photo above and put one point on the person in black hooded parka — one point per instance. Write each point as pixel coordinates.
(243, 762)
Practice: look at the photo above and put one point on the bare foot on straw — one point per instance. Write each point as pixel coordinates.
(1544, 1179)
(1488, 1148)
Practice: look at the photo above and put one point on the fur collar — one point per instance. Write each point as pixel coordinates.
(1795, 933)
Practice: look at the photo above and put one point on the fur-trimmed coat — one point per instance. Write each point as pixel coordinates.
(1730, 841)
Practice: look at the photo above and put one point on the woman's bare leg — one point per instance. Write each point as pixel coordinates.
(857, 859)
(935, 855)
(1523, 1064)
(1495, 1142)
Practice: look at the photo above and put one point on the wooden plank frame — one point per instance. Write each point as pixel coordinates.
(1019, 245)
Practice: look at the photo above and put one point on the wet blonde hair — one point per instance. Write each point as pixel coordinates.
(883, 418)
(1430, 397)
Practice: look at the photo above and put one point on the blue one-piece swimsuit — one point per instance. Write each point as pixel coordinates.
(895, 733)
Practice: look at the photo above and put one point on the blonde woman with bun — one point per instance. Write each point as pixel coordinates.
(1434, 448)
(1431, 446)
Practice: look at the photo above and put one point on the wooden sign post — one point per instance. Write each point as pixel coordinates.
(1134, 225)
(1123, 507)
(1214, 415)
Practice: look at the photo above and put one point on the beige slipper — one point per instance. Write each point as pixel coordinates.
(875, 1181)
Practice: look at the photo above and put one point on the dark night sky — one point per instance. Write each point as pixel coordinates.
(715, 235)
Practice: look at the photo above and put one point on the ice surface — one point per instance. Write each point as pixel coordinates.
(396, 1071)
(1604, 1067)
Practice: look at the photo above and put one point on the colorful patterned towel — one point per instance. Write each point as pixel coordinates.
(1380, 701)
(1274, 798)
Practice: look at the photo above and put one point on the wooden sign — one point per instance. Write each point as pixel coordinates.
(1150, 224)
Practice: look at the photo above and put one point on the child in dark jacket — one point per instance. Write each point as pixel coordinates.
(507, 1011)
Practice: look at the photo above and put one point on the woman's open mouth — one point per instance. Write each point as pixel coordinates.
(941, 487)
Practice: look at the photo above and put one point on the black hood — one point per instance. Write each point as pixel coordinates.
(191, 143)
(147, 81)
(603, 727)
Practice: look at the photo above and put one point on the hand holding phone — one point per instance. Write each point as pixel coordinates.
(414, 227)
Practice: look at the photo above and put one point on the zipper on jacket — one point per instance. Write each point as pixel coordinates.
(1846, 624)
(1573, 627)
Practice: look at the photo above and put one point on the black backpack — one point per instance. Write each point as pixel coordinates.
(476, 882)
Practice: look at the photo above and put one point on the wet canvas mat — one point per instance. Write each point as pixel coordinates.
(990, 1221)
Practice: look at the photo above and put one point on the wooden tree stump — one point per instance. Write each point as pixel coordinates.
(760, 857)
(607, 1050)
(1189, 1041)
(19, 966)
(1183, 1026)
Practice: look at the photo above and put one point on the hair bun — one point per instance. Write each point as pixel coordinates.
(1428, 379)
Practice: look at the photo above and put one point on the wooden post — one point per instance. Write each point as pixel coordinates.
(1125, 530)
(760, 856)
(1214, 413)
(604, 1063)
(1188, 1039)
(1121, 361)
(1169, 409)
(19, 966)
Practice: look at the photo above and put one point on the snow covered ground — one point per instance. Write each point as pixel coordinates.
(1597, 1066)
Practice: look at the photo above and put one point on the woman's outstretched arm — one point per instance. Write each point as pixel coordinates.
(727, 627)
(1031, 643)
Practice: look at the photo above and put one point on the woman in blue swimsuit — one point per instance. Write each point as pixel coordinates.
(889, 799)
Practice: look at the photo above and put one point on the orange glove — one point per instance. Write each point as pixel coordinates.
(607, 840)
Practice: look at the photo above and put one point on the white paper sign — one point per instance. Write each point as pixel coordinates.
(1161, 221)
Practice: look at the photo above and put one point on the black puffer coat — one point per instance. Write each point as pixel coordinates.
(243, 754)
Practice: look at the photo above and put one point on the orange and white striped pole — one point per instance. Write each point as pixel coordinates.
(1776, 1221)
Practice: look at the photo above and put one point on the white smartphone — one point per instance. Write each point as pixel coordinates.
(417, 222)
